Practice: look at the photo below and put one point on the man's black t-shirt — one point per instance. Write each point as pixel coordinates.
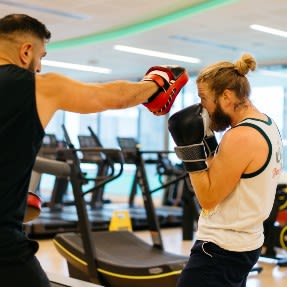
(21, 135)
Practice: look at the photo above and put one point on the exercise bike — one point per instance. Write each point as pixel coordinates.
(275, 227)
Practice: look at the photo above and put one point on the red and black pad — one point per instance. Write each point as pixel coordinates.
(33, 208)
(160, 103)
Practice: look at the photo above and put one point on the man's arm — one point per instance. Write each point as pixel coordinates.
(57, 92)
(242, 150)
(157, 91)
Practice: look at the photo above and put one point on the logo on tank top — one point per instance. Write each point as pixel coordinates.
(279, 160)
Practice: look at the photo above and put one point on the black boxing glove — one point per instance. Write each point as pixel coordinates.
(210, 144)
(209, 140)
(188, 128)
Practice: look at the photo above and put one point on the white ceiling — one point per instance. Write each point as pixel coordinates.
(217, 33)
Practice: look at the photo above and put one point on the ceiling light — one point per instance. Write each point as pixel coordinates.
(269, 30)
(276, 74)
(157, 54)
(77, 67)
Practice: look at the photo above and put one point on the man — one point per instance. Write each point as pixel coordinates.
(28, 101)
(235, 187)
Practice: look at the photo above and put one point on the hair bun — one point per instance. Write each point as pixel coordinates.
(245, 64)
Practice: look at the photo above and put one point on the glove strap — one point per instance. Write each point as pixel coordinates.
(162, 83)
(210, 144)
(193, 157)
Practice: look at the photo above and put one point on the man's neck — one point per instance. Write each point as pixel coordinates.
(248, 111)
(7, 60)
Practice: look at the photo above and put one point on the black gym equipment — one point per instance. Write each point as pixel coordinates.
(59, 215)
(116, 258)
(187, 213)
(43, 165)
(53, 217)
(49, 147)
(98, 159)
(275, 230)
(168, 216)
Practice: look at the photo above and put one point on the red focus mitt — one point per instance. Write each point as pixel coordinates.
(170, 80)
(33, 208)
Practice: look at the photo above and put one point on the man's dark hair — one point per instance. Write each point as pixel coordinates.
(25, 24)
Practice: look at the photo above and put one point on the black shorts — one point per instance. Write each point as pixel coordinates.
(26, 273)
(211, 266)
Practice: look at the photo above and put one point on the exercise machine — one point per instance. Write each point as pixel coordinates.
(97, 159)
(43, 165)
(275, 227)
(58, 214)
(97, 204)
(53, 218)
(117, 258)
(187, 213)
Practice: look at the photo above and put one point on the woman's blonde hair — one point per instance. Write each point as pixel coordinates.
(227, 75)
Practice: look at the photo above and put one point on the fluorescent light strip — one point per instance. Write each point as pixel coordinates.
(77, 67)
(157, 54)
(269, 30)
(275, 74)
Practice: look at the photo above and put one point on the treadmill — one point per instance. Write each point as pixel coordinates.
(100, 210)
(59, 215)
(117, 258)
(57, 168)
(185, 215)
(101, 162)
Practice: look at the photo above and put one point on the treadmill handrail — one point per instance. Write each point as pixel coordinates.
(111, 160)
(95, 137)
(170, 182)
(53, 167)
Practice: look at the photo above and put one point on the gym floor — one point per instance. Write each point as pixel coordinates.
(271, 275)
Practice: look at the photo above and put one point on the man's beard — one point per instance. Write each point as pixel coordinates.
(220, 121)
